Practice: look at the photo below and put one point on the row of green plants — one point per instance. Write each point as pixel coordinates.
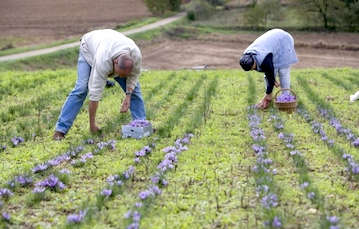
(215, 161)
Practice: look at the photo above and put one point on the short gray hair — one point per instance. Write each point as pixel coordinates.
(125, 62)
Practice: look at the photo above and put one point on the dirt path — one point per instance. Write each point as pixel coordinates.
(74, 44)
(314, 50)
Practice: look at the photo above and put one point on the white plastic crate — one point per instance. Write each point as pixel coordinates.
(136, 132)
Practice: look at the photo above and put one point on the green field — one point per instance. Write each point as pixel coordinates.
(302, 180)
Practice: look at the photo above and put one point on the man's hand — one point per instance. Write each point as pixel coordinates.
(94, 128)
(126, 104)
(264, 103)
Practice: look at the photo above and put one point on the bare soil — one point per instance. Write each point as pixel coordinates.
(223, 51)
(26, 23)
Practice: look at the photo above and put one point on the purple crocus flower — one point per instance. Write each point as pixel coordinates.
(276, 222)
(89, 141)
(137, 160)
(6, 216)
(138, 204)
(106, 192)
(38, 190)
(40, 168)
(17, 140)
(65, 171)
(145, 194)
(356, 143)
(52, 182)
(127, 214)
(334, 227)
(156, 190)
(164, 182)
(140, 153)
(139, 123)
(333, 219)
(5, 193)
(23, 180)
(286, 97)
(311, 195)
(155, 179)
(304, 185)
(77, 218)
(270, 200)
(136, 216)
(133, 226)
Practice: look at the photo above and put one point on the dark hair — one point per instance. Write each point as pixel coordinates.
(247, 61)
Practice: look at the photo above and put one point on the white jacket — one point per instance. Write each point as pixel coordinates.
(100, 48)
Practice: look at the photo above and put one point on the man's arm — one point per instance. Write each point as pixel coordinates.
(92, 113)
(268, 68)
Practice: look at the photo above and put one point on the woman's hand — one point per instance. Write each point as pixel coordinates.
(264, 103)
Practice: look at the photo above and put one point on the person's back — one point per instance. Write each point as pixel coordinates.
(278, 42)
(108, 42)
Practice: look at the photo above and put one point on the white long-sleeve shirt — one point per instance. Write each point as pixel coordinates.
(100, 48)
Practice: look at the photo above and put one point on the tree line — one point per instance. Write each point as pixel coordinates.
(331, 15)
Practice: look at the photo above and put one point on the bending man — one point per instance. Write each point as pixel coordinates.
(272, 53)
(103, 53)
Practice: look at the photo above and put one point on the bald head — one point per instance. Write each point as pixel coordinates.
(124, 64)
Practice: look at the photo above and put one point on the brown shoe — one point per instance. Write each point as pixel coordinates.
(58, 136)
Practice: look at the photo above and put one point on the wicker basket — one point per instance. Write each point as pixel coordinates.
(289, 107)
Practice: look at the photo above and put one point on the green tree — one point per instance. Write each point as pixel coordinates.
(254, 17)
(271, 9)
(199, 10)
(160, 7)
(216, 2)
(351, 15)
(327, 12)
(259, 13)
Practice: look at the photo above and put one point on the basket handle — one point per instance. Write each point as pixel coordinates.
(283, 89)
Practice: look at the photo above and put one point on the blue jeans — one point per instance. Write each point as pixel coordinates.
(78, 95)
(284, 77)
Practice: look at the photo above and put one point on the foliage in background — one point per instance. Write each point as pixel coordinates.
(258, 14)
(199, 10)
(329, 14)
(160, 7)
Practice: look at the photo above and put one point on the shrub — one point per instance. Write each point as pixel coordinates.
(159, 7)
(199, 10)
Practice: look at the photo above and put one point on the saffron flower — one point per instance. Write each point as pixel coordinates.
(286, 97)
(139, 123)
(5, 193)
(106, 192)
(40, 168)
(77, 218)
(52, 182)
(6, 216)
(17, 140)
(38, 190)
(311, 195)
(304, 185)
(276, 222)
